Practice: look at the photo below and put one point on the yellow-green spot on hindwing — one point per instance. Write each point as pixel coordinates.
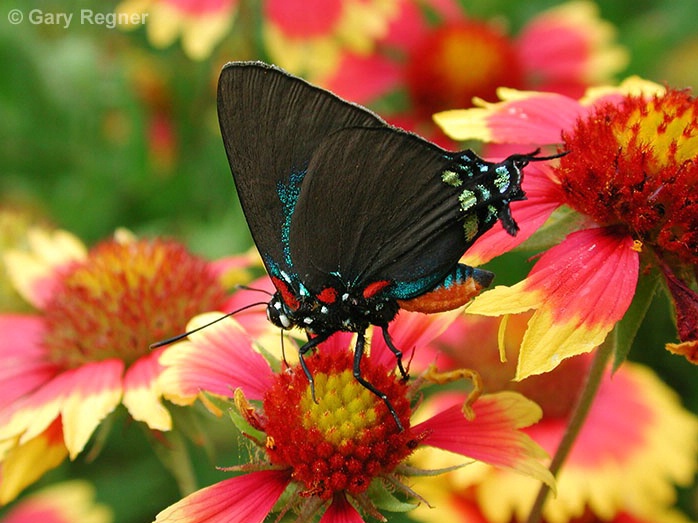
(467, 199)
(471, 227)
(503, 179)
(451, 178)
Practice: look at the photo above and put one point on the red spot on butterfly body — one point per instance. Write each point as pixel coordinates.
(287, 294)
(327, 295)
(374, 288)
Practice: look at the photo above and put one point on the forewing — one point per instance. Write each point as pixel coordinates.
(272, 123)
(374, 207)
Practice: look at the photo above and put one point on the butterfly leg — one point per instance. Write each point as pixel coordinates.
(397, 352)
(305, 348)
(358, 354)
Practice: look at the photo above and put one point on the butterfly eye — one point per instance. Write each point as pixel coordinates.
(277, 314)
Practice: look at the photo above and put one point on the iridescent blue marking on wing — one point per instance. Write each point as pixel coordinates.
(405, 290)
(463, 273)
(288, 195)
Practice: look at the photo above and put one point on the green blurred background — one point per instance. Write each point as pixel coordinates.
(79, 145)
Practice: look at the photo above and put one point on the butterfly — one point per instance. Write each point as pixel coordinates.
(355, 219)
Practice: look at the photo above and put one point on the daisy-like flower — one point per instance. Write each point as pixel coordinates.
(630, 178)
(85, 350)
(68, 502)
(308, 37)
(636, 445)
(200, 24)
(338, 454)
(444, 65)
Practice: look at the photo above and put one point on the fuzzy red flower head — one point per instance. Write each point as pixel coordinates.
(642, 173)
(437, 78)
(346, 437)
(119, 281)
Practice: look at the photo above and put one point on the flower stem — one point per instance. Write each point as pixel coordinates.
(175, 458)
(581, 409)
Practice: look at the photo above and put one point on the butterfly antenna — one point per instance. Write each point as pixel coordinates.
(246, 288)
(531, 157)
(173, 339)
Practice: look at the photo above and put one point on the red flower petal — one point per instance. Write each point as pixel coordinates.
(340, 511)
(493, 436)
(142, 394)
(304, 18)
(25, 366)
(581, 288)
(247, 498)
(218, 359)
(82, 396)
(378, 77)
(522, 117)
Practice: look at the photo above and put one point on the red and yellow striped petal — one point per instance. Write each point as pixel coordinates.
(142, 393)
(493, 436)
(218, 359)
(247, 498)
(530, 117)
(25, 365)
(637, 443)
(201, 25)
(82, 397)
(24, 463)
(520, 117)
(34, 273)
(580, 289)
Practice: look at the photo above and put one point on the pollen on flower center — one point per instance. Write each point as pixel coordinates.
(459, 61)
(344, 407)
(634, 164)
(125, 296)
(345, 439)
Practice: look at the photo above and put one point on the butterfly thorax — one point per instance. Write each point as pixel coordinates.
(330, 310)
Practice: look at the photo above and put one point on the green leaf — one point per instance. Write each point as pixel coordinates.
(221, 403)
(384, 500)
(562, 221)
(627, 327)
(243, 426)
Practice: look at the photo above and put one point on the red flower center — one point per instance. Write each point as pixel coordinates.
(125, 296)
(457, 62)
(635, 164)
(348, 437)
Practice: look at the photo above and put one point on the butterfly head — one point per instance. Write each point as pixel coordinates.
(279, 313)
